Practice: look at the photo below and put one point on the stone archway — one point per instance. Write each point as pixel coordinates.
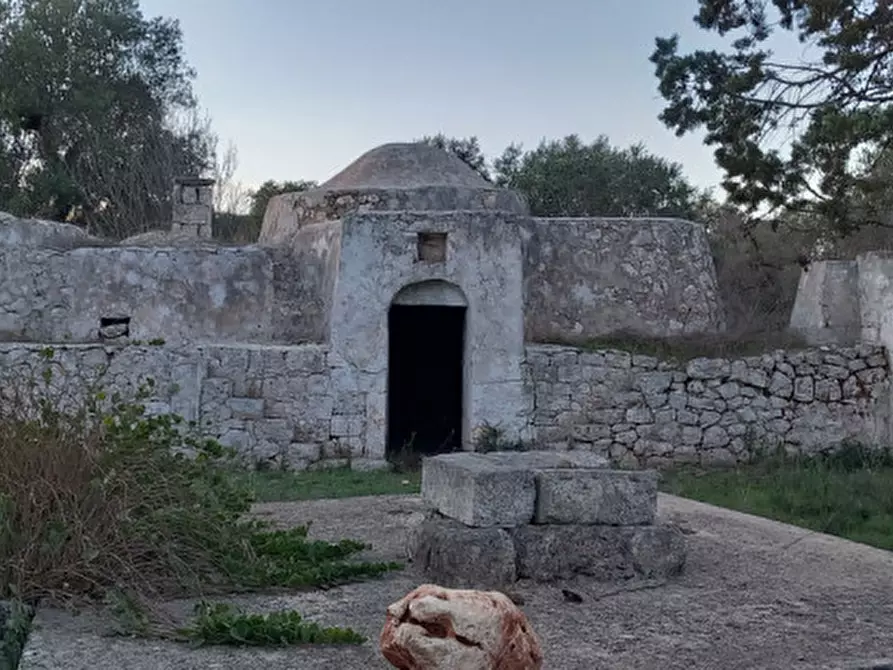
(426, 368)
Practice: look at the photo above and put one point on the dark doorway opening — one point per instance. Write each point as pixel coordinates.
(425, 376)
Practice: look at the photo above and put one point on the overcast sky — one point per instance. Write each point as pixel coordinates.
(303, 87)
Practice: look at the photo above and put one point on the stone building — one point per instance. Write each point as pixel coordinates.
(405, 302)
(427, 281)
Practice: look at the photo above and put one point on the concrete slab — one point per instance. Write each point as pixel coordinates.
(755, 594)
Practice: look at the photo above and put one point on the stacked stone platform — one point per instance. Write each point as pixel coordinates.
(503, 516)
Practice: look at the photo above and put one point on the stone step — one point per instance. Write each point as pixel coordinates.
(451, 554)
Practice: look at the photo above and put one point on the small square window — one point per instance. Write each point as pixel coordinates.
(432, 247)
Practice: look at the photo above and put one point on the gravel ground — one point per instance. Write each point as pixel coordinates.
(755, 594)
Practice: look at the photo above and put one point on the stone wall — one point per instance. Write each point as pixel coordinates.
(709, 410)
(483, 265)
(275, 404)
(58, 284)
(304, 274)
(593, 277)
(294, 406)
(846, 301)
(874, 297)
(827, 307)
(216, 293)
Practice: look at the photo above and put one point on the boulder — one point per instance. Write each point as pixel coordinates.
(435, 628)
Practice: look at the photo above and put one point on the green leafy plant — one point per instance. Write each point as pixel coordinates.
(288, 558)
(102, 503)
(223, 624)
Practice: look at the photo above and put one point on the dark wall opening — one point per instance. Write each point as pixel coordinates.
(425, 350)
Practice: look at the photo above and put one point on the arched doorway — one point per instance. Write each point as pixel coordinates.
(426, 355)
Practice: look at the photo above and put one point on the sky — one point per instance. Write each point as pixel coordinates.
(302, 88)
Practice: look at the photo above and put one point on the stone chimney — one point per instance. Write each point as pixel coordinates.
(193, 211)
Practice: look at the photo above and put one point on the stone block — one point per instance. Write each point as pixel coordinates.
(611, 497)
(606, 553)
(493, 489)
(246, 408)
(479, 491)
(451, 554)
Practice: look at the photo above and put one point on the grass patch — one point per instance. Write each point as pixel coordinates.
(848, 493)
(102, 504)
(404, 477)
(276, 486)
(683, 349)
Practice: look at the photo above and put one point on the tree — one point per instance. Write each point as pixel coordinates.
(261, 197)
(97, 113)
(230, 196)
(234, 226)
(790, 134)
(571, 178)
(468, 149)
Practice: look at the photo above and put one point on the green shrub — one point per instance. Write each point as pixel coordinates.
(100, 502)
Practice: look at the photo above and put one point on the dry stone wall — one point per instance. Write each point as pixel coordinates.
(275, 404)
(592, 277)
(290, 406)
(640, 410)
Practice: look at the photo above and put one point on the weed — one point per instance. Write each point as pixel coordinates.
(490, 438)
(222, 624)
(407, 459)
(287, 558)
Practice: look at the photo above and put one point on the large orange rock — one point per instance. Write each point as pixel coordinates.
(434, 628)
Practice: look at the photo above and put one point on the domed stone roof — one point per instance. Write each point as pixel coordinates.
(406, 165)
(408, 177)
